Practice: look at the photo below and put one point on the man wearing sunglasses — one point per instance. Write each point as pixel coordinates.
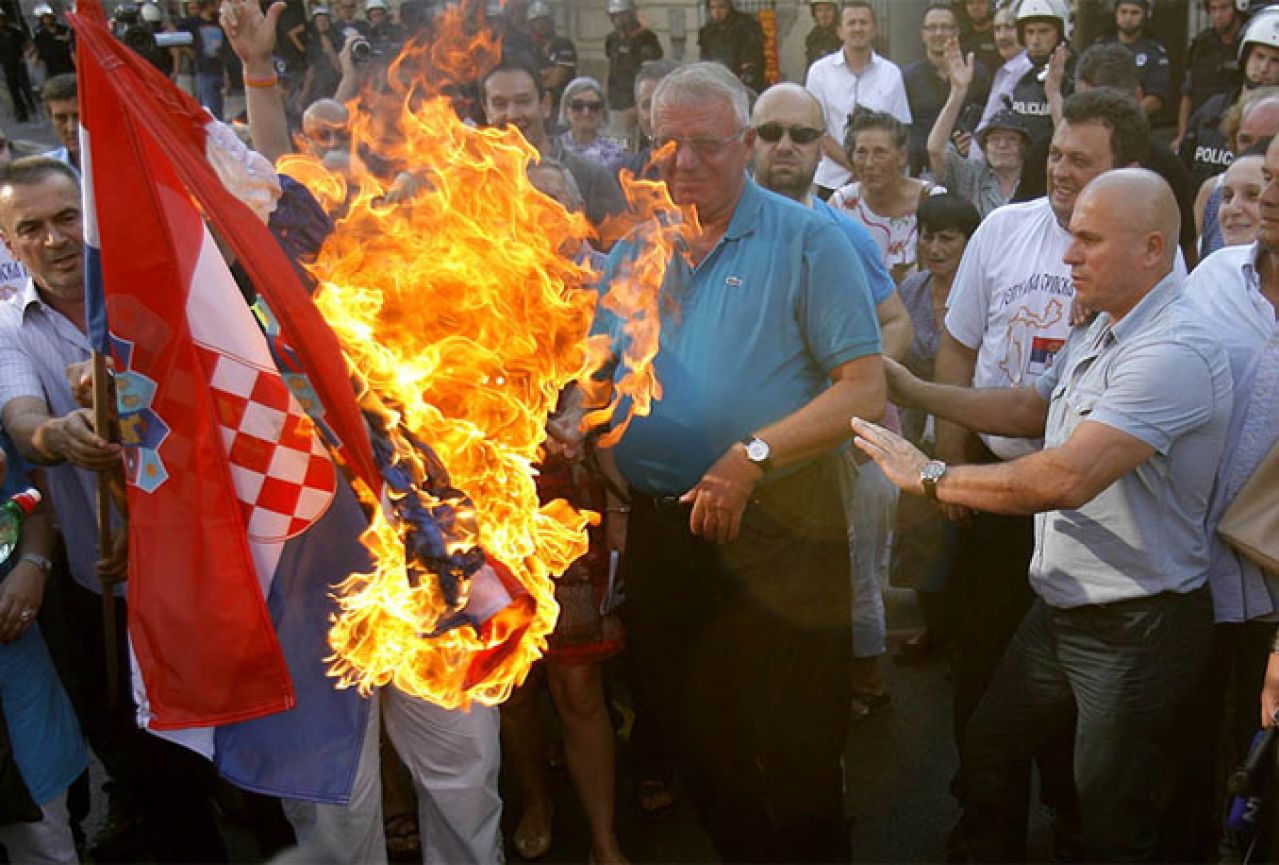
(737, 555)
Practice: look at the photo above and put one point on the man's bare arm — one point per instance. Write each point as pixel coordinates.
(835, 152)
(47, 440)
(857, 386)
(955, 365)
(1019, 412)
(894, 324)
(1060, 478)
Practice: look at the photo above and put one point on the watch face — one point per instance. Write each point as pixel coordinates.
(757, 450)
(933, 470)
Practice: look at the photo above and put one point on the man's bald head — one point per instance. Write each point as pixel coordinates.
(1124, 233)
(789, 125)
(1145, 201)
(791, 98)
(324, 123)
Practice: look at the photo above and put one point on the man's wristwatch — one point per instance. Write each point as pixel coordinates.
(758, 452)
(39, 561)
(929, 475)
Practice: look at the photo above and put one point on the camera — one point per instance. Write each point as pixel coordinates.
(362, 50)
(140, 36)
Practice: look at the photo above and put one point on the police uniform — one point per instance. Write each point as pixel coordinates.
(557, 52)
(1205, 149)
(626, 53)
(1211, 67)
(738, 43)
(1030, 102)
(1153, 69)
(981, 44)
(819, 42)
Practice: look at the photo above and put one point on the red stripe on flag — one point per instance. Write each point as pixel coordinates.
(198, 621)
(176, 123)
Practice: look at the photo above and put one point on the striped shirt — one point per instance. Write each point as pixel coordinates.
(37, 343)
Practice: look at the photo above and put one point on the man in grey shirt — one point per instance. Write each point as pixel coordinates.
(1134, 413)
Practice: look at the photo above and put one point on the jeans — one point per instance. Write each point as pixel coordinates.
(1123, 672)
(744, 649)
(210, 90)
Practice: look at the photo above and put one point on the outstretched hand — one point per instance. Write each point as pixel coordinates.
(900, 460)
(250, 32)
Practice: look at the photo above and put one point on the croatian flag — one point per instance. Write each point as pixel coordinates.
(239, 523)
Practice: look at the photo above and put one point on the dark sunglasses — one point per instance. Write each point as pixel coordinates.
(773, 132)
(583, 105)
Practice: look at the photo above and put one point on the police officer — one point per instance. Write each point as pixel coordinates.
(628, 45)
(1151, 57)
(53, 42)
(556, 55)
(978, 34)
(736, 40)
(1205, 149)
(824, 38)
(1042, 25)
(1212, 62)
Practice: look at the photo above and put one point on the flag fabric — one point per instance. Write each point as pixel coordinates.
(239, 523)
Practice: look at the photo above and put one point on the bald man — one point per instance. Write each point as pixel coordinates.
(325, 126)
(788, 123)
(1134, 413)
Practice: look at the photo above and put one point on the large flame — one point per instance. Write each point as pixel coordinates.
(464, 315)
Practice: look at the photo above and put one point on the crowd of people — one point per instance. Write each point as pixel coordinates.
(998, 326)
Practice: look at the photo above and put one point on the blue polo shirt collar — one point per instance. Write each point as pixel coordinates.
(746, 215)
(1164, 293)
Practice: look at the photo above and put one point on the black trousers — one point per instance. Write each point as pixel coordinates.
(745, 651)
(1123, 673)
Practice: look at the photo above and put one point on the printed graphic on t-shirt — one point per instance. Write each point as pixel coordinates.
(211, 40)
(1025, 350)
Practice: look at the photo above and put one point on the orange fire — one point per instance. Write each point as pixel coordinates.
(464, 318)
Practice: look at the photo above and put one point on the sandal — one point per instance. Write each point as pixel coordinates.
(868, 703)
(532, 838)
(654, 796)
(403, 844)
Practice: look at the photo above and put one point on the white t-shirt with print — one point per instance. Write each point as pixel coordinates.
(13, 276)
(1011, 302)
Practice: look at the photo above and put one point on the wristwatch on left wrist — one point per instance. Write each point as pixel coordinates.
(758, 452)
(39, 561)
(929, 475)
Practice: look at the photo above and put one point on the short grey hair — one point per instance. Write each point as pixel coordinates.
(580, 85)
(570, 182)
(703, 82)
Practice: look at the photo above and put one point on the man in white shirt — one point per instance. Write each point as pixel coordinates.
(853, 76)
(1016, 64)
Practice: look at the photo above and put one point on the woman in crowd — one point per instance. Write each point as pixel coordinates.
(883, 198)
(1240, 211)
(584, 113)
(922, 550)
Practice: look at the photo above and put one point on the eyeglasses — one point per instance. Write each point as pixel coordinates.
(585, 105)
(701, 145)
(773, 132)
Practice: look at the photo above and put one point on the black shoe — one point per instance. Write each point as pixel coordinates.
(123, 839)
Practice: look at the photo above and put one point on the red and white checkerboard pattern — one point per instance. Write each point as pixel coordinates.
(283, 476)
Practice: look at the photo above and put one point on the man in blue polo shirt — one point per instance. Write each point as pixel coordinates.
(1134, 413)
(736, 557)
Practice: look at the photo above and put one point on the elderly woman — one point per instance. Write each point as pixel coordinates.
(584, 113)
(883, 198)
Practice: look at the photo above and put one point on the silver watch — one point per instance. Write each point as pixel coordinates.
(39, 561)
(758, 452)
(929, 475)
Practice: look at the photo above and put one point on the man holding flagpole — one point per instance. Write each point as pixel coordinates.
(41, 334)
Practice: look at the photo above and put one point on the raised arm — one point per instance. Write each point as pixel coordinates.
(252, 37)
(960, 72)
